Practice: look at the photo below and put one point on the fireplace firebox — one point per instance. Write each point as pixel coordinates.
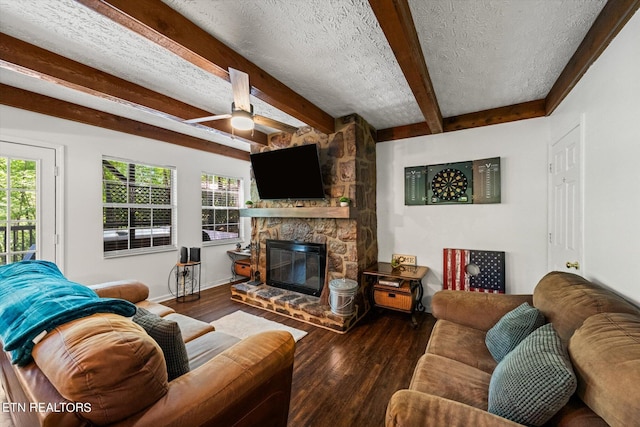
(296, 266)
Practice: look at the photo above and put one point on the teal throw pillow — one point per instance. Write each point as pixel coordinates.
(169, 337)
(534, 381)
(511, 329)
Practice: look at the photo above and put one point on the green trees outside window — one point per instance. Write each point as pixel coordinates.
(17, 209)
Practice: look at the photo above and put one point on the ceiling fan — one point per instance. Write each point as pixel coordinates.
(242, 116)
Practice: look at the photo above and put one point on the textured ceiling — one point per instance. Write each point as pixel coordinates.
(332, 52)
(487, 54)
(480, 54)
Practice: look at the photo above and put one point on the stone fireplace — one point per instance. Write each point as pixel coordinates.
(348, 163)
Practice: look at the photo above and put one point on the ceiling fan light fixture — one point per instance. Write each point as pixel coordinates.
(242, 120)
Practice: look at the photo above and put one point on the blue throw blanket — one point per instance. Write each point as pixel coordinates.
(36, 297)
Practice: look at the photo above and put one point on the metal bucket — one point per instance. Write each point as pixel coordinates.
(342, 295)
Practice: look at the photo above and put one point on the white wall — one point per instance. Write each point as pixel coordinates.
(84, 147)
(517, 226)
(608, 99)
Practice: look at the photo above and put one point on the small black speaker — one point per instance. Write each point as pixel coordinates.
(194, 255)
(184, 255)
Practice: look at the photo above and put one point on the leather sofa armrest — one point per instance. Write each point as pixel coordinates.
(130, 290)
(477, 310)
(28, 386)
(409, 408)
(248, 384)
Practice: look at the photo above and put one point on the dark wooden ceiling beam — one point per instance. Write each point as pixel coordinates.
(23, 99)
(494, 116)
(402, 132)
(613, 16)
(397, 24)
(33, 61)
(160, 24)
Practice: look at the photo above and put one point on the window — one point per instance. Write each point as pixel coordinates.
(138, 207)
(220, 209)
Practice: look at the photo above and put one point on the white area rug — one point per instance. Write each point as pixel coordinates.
(242, 325)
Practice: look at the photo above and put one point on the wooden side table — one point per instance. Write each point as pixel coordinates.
(407, 297)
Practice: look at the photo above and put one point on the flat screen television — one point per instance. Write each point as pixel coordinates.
(288, 173)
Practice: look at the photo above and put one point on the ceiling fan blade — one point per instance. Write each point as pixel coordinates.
(241, 89)
(208, 118)
(266, 121)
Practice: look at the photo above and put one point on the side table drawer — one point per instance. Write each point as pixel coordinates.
(242, 267)
(401, 298)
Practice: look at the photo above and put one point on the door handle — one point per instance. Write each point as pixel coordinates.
(575, 265)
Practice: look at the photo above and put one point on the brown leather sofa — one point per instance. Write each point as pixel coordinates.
(111, 372)
(451, 380)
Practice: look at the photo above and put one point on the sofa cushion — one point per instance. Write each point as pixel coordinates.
(408, 408)
(452, 380)
(511, 329)
(566, 300)
(130, 290)
(576, 414)
(208, 346)
(445, 341)
(191, 328)
(477, 310)
(105, 361)
(534, 381)
(156, 308)
(168, 336)
(605, 353)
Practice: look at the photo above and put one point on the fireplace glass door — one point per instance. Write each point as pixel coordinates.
(296, 266)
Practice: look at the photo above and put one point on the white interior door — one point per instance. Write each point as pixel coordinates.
(565, 204)
(27, 203)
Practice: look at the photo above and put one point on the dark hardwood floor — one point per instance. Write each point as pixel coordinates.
(338, 379)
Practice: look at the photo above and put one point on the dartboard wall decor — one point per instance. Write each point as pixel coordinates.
(476, 181)
(450, 183)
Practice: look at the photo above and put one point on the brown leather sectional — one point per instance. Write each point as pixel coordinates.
(105, 370)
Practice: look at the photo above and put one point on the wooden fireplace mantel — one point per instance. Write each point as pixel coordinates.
(303, 212)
